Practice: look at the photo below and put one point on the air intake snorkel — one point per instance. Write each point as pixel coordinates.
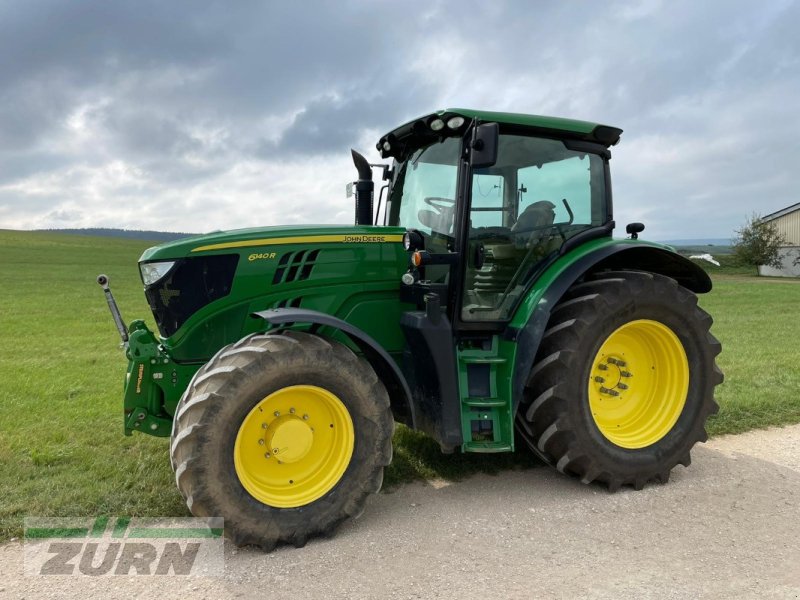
(365, 189)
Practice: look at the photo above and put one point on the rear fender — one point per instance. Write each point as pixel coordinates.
(528, 329)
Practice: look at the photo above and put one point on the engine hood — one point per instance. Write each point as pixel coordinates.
(243, 239)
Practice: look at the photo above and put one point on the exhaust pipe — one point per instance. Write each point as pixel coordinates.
(365, 190)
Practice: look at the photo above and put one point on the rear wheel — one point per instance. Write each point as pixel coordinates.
(282, 435)
(623, 381)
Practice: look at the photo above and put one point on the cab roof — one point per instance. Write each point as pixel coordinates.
(420, 128)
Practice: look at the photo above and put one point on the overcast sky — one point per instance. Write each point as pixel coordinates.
(195, 116)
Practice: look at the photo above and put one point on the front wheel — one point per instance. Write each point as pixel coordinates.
(623, 381)
(282, 435)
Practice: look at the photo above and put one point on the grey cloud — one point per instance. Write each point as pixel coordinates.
(16, 165)
(165, 69)
(329, 124)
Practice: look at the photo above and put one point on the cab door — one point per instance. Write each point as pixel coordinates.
(522, 209)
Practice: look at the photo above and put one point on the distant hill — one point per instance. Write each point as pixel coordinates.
(700, 242)
(136, 234)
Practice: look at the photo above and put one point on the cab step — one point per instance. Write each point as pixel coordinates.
(487, 447)
(485, 393)
(483, 402)
(482, 360)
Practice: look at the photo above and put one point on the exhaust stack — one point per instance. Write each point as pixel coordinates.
(365, 189)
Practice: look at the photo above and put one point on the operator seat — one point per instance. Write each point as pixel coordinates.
(533, 222)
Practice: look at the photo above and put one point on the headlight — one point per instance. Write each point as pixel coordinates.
(455, 122)
(413, 240)
(152, 272)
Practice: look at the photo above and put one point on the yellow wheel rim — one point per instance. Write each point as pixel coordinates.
(294, 446)
(638, 384)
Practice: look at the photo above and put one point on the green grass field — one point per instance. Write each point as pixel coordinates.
(62, 452)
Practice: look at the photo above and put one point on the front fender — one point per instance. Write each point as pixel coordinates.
(386, 369)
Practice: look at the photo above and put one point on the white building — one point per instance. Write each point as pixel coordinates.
(787, 222)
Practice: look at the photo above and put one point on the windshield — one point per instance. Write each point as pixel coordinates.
(424, 190)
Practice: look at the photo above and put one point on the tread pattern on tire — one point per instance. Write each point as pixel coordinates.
(197, 420)
(548, 416)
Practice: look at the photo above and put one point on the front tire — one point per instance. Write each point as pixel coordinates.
(623, 381)
(283, 436)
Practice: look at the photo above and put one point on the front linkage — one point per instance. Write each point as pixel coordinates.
(153, 381)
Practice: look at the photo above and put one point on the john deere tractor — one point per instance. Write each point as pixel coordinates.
(490, 308)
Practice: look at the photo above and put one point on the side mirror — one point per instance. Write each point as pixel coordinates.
(484, 145)
(634, 229)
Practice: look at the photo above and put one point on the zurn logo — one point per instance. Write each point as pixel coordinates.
(104, 546)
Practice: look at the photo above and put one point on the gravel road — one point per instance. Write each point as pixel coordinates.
(726, 527)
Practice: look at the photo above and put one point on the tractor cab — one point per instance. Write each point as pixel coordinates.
(489, 202)
(506, 200)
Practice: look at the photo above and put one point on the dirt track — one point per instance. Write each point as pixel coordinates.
(729, 526)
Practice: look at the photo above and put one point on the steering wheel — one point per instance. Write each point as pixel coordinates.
(440, 204)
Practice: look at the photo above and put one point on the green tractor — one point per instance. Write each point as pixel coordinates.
(492, 308)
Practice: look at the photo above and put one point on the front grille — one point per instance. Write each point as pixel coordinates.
(191, 284)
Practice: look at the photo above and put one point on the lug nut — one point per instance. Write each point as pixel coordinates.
(277, 413)
(267, 455)
(625, 374)
(291, 411)
(261, 442)
(263, 426)
(605, 390)
(603, 367)
(599, 379)
(622, 386)
(305, 417)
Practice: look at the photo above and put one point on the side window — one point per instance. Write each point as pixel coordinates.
(556, 181)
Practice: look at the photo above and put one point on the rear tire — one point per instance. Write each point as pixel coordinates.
(615, 426)
(215, 419)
